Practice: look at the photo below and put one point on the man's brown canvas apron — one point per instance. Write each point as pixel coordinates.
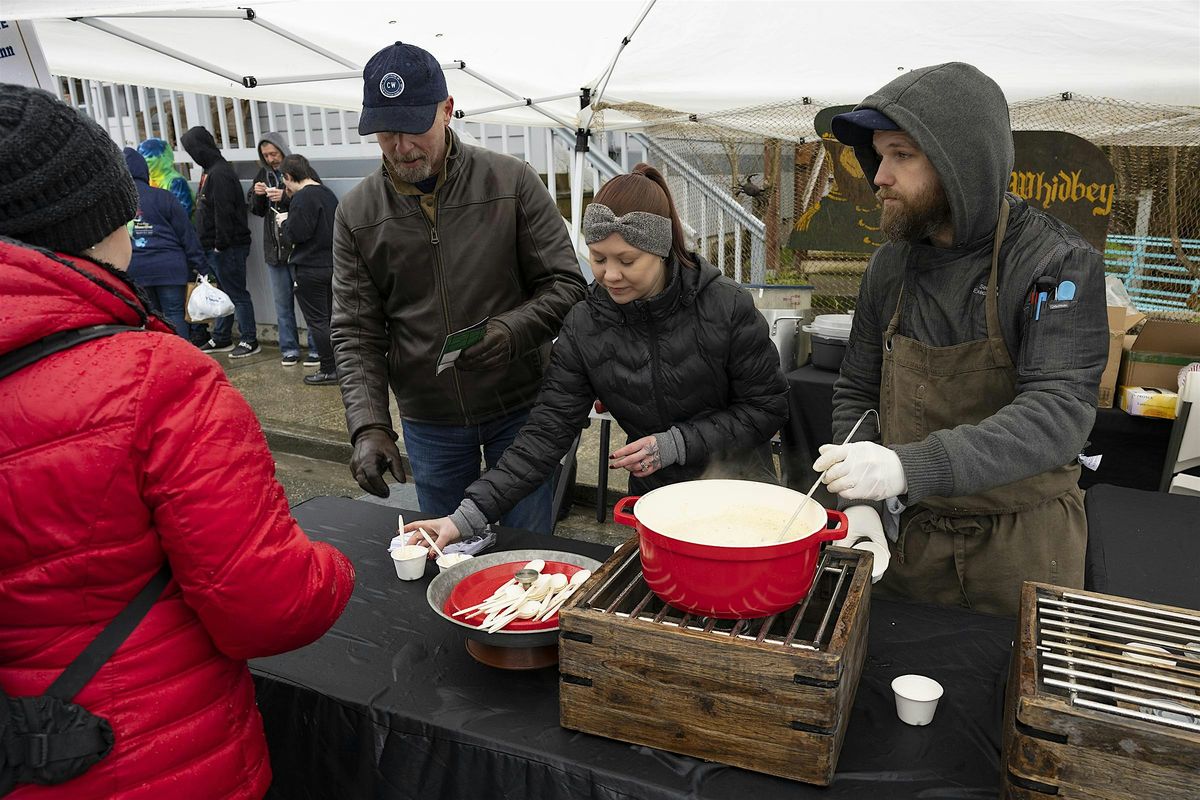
(974, 550)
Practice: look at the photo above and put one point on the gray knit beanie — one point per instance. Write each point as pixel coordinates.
(63, 182)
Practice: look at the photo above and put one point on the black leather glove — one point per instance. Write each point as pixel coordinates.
(494, 351)
(374, 452)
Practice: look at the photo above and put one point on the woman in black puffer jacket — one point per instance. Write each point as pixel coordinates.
(673, 349)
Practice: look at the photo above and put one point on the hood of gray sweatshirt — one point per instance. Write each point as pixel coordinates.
(959, 118)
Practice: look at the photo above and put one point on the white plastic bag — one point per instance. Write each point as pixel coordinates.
(1116, 294)
(208, 302)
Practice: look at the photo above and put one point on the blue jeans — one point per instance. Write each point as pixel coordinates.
(283, 278)
(168, 301)
(445, 461)
(230, 267)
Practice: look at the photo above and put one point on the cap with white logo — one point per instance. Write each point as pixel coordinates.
(402, 87)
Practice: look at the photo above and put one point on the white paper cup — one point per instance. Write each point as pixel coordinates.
(451, 560)
(916, 698)
(410, 561)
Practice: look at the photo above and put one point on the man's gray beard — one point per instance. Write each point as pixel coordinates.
(917, 220)
(415, 174)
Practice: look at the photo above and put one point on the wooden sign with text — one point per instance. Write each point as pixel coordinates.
(1059, 173)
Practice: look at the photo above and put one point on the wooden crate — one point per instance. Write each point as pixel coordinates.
(1055, 749)
(767, 707)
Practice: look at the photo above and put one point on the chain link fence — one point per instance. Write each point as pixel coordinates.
(773, 163)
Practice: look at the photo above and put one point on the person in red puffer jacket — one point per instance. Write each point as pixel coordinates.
(118, 454)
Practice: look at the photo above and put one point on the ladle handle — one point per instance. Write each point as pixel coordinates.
(808, 497)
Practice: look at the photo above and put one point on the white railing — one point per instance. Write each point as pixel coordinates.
(715, 215)
(133, 113)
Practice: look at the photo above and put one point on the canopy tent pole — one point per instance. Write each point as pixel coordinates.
(113, 30)
(578, 155)
(241, 13)
(557, 119)
(624, 42)
(526, 101)
(250, 81)
(316, 48)
(587, 103)
(249, 15)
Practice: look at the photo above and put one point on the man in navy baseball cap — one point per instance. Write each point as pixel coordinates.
(443, 234)
(403, 86)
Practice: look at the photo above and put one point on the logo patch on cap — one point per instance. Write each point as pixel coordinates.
(391, 85)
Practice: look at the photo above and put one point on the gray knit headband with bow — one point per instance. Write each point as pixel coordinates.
(641, 229)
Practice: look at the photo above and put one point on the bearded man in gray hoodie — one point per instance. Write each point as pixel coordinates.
(980, 335)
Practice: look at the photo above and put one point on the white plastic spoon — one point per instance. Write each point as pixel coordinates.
(537, 591)
(432, 543)
(550, 608)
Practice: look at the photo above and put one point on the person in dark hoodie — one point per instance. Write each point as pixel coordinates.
(221, 222)
(979, 335)
(164, 245)
(308, 230)
(268, 200)
(673, 349)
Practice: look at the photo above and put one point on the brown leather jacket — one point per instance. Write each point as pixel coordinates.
(401, 283)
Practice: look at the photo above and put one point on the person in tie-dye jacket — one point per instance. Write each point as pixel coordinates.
(163, 175)
(160, 159)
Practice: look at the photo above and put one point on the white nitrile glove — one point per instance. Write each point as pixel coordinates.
(866, 533)
(861, 471)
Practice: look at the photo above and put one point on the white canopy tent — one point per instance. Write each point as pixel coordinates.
(695, 56)
(528, 62)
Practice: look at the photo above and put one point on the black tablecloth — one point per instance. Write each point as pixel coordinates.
(1134, 448)
(389, 704)
(1144, 545)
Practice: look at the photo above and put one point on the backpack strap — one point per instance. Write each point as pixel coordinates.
(24, 356)
(85, 666)
(87, 663)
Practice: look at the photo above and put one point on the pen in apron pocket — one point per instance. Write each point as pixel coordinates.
(1043, 285)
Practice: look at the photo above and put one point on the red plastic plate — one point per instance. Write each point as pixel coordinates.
(478, 586)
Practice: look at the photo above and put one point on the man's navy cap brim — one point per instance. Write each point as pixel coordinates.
(397, 119)
(856, 128)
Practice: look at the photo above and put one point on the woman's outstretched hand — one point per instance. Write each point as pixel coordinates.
(641, 458)
(441, 530)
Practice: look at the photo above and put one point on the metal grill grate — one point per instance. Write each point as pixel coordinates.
(1132, 660)
(807, 625)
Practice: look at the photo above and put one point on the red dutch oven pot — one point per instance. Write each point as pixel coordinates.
(728, 581)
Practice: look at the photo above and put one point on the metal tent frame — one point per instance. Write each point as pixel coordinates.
(589, 99)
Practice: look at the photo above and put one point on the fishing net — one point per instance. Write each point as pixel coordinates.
(769, 163)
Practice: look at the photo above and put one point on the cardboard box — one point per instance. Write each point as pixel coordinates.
(1121, 320)
(1146, 401)
(1161, 349)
